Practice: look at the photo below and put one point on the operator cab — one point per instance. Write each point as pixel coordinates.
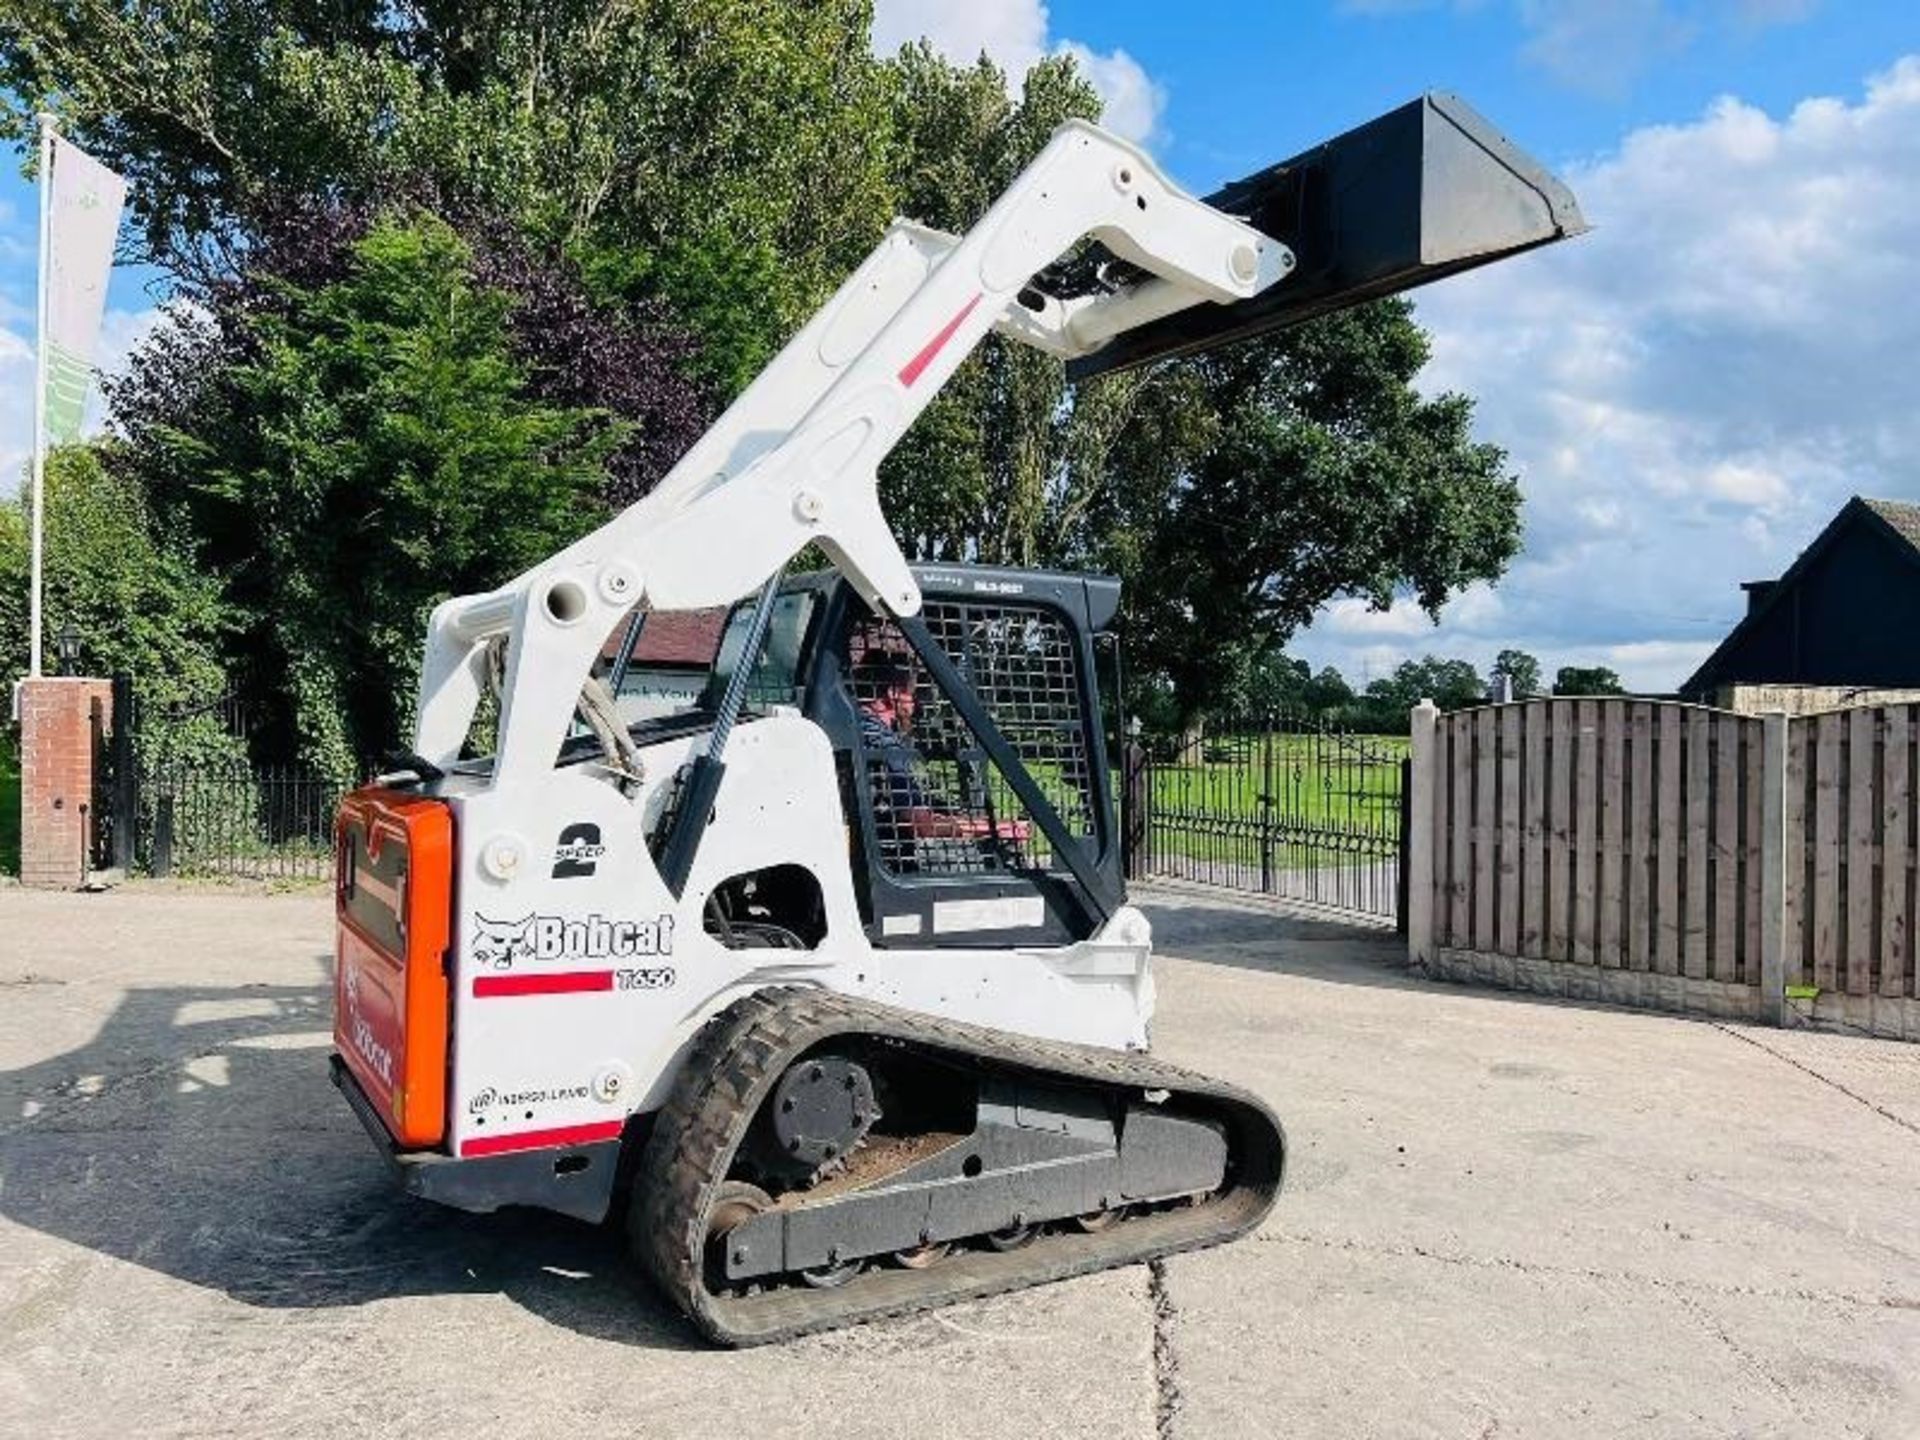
(945, 851)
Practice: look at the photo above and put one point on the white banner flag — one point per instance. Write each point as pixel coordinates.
(80, 202)
(84, 201)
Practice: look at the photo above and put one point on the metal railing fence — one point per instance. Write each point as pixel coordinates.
(1273, 805)
(254, 822)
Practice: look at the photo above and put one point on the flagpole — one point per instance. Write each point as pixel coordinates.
(40, 389)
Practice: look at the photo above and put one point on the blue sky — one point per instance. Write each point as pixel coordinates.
(1687, 393)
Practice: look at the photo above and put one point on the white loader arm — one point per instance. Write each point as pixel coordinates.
(794, 460)
(1426, 190)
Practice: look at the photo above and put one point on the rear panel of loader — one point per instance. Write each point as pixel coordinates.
(394, 855)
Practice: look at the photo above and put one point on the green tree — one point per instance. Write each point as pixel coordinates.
(731, 152)
(1327, 691)
(1450, 684)
(979, 475)
(1587, 680)
(376, 452)
(1276, 684)
(1235, 494)
(130, 590)
(1519, 667)
(1249, 487)
(734, 158)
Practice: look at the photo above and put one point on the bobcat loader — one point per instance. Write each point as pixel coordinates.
(829, 977)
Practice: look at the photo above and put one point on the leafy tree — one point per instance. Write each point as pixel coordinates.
(1327, 691)
(1587, 680)
(978, 476)
(708, 140)
(130, 589)
(722, 161)
(1450, 684)
(1520, 668)
(1251, 486)
(1275, 684)
(368, 448)
(730, 160)
(1235, 494)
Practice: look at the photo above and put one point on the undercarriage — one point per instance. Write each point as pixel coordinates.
(975, 1161)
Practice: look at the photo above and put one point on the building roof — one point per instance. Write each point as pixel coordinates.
(673, 637)
(1897, 520)
(1901, 517)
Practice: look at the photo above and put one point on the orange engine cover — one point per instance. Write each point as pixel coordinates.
(394, 912)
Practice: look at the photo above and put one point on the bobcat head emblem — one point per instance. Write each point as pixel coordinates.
(498, 943)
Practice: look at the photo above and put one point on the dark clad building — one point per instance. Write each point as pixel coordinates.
(1845, 615)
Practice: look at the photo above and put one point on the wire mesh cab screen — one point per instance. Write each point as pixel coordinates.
(940, 807)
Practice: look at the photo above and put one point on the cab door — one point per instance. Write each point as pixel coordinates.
(944, 850)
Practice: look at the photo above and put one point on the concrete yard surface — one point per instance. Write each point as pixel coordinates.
(1504, 1217)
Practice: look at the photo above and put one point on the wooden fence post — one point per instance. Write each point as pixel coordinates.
(1419, 840)
(1773, 868)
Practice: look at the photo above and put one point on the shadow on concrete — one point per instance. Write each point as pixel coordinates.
(1276, 939)
(197, 1135)
(1251, 935)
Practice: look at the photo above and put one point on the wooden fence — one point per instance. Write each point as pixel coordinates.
(1671, 855)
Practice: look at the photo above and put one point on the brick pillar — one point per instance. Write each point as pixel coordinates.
(59, 721)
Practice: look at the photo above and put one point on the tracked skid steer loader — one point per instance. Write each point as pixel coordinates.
(828, 977)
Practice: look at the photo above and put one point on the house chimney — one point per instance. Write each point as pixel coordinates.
(1758, 592)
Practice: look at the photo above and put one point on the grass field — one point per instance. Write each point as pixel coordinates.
(9, 804)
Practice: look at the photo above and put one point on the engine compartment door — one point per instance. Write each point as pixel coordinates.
(393, 919)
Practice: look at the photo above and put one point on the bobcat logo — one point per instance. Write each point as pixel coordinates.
(498, 943)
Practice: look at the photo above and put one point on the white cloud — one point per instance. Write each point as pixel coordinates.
(1679, 657)
(1478, 608)
(1692, 390)
(1016, 33)
(1600, 45)
(1753, 484)
(1013, 32)
(1133, 101)
(16, 408)
(1356, 617)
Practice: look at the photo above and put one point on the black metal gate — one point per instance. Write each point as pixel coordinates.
(1274, 806)
(115, 783)
(178, 793)
(238, 821)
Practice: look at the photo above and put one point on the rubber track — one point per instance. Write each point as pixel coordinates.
(745, 1049)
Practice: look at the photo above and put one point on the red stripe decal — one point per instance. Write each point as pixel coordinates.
(912, 369)
(564, 982)
(542, 1139)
